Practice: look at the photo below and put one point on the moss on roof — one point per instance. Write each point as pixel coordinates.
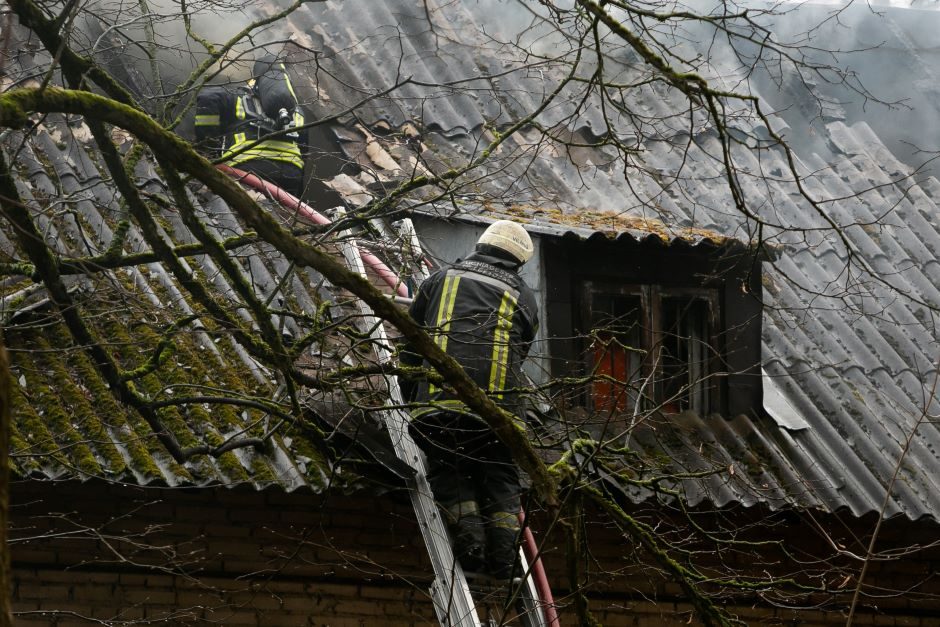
(68, 422)
(611, 224)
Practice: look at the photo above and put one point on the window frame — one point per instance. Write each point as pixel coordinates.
(734, 270)
(704, 394)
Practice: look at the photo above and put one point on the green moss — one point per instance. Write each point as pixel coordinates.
(261, 470)
(55, 397)
(9, 267)
(151, 385)
(223, 416)
(85, 410)
(21, 464)
(196, 424)
(191, 367)
(12, 113)
(133, 429)
(29, 434)
(301, 447)
(213, 438)
(232, 468)
(237, 379)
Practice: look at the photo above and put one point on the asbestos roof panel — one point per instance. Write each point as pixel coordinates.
(66, 420)
(852, 357)
(587, 224)
(444, 84)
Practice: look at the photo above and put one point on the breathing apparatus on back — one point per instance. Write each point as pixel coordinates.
(270, 105)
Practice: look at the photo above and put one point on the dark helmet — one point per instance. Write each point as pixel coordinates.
(264, 64)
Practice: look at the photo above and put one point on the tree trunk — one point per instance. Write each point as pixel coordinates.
(6, 617)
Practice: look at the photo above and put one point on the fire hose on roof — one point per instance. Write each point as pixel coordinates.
(292, 202)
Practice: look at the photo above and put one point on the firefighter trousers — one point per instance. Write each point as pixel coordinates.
(476, 483)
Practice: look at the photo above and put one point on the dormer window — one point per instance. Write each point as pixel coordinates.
(654, 327)
(651, 347)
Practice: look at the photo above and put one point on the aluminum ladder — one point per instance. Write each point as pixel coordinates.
(453, 602)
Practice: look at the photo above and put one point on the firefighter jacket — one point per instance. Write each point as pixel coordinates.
(482, 314)
(232, 124)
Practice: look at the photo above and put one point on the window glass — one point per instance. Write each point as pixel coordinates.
(617, 354)
(686, 353)
(651, 348)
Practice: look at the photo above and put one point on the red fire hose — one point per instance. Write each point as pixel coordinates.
(292, 202)
(538, 573)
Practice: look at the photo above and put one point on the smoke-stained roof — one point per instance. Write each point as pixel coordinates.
(849, 359)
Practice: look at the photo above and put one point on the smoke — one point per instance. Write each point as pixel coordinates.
(150, 38)
(877, 62)
(884, 63)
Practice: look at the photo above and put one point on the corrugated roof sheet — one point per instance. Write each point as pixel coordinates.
(588, 223)
(67, 422)
(852, 355)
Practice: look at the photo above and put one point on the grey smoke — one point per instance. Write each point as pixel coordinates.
(887, 50)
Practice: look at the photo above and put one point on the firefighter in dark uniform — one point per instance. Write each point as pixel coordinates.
(233, 124)
(482, 314)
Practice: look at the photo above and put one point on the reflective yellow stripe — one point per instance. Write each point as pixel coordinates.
(270, 149)
(208, 120)
(504, 520)
(463, 509)
(290, 87)
(268, 146)
(445, 311)
(239, 109)
(499, 362)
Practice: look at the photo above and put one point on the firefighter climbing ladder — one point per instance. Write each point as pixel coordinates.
(450, 591)
(453, 600)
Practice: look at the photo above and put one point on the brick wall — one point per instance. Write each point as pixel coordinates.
(220, 556)
(812, 549)
(115, 554)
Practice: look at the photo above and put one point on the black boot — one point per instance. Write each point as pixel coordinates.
(470, 543)
(502, 546)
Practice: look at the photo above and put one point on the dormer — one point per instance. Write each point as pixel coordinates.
(654, 325)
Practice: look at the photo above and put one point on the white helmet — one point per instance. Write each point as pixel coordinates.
(508, 236)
